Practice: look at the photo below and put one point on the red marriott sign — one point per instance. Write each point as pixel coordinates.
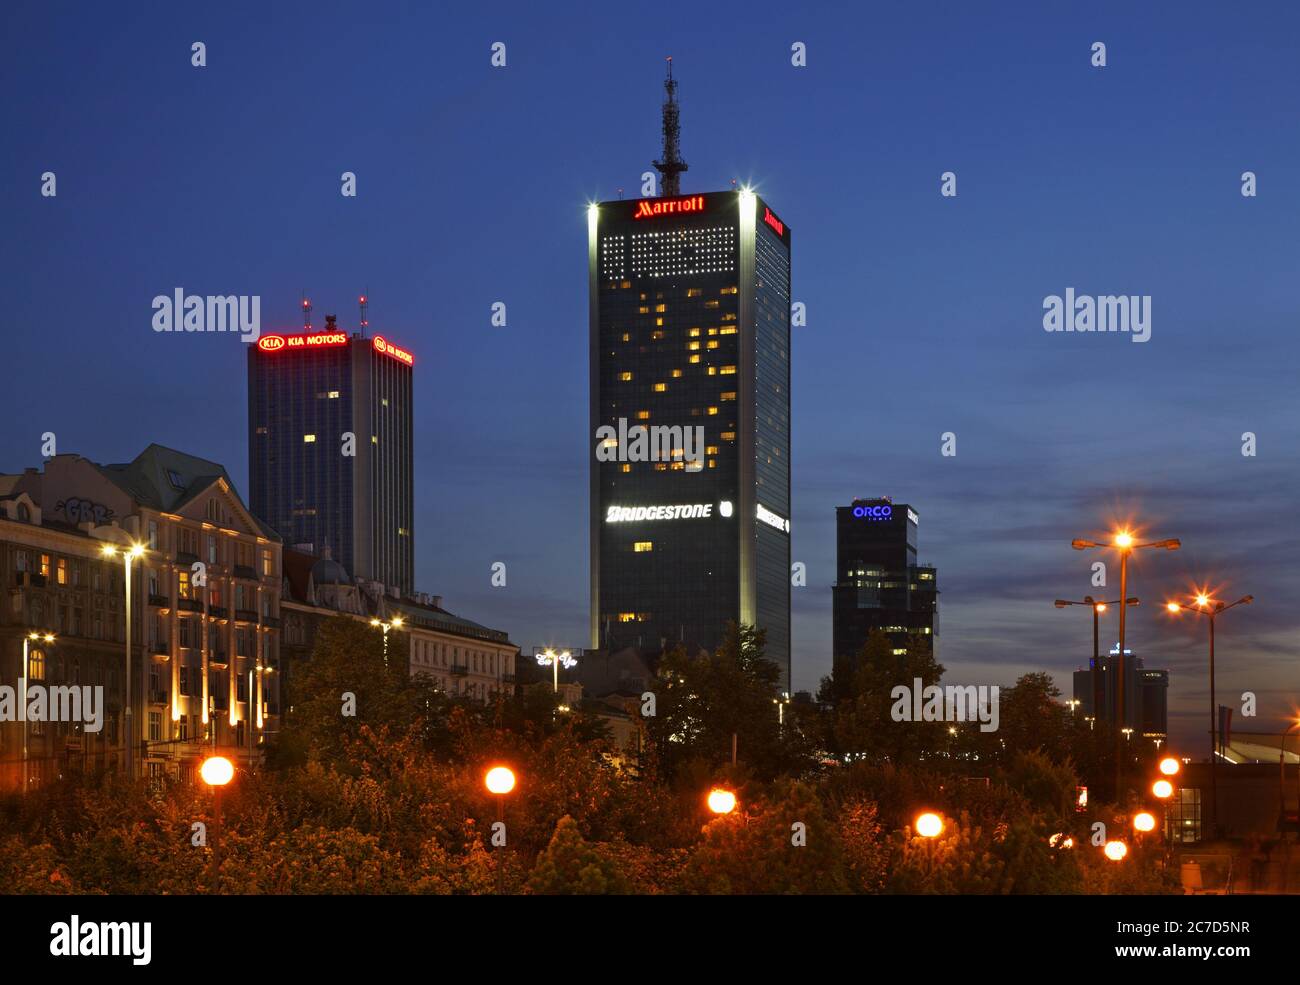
(651, 208)
(773, 221)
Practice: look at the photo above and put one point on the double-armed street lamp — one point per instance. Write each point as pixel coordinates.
(27, 641)
(1203, 605)
(129, 554)
(1125, 543)
(1098, 680)
(1281, 777)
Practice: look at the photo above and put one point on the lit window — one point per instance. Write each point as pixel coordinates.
(61, 572)
(661, 387)
(627, 337)
(710, 304)
(729, 329)
(309, 439)
(728, 370)
(728, 290)
(713, 344)
(694, 333)
(677, 374)
(729, 395)
(713, 370)
(643, 415)
(660, 308)
(695, 358)
(712, 411)
(642, 546)
(627, 617)
(625, 377)
(694, 292)
(334, 395)
(711, 450)
(627, 467)
(728, 435)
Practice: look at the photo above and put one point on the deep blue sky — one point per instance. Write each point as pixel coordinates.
(924, 312)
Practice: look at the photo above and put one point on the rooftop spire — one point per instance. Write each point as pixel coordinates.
(671, 166)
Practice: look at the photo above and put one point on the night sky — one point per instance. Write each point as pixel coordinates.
(924, 312)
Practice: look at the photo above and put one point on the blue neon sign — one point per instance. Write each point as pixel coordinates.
(873, 512)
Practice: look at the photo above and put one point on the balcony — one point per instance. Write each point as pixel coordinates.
(271, 622)
(218, 659)
(185, 558)
(245, 572)
(30, 578)
(459, 670)
(159, 601)
(157, 697)
(160, 647)
(218, 612)
(189, 605)
(245, 615)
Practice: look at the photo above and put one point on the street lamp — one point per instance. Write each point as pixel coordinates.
(27, 640)
(1123, 543)
(216, 772)
(1144, 821)
(1206, 606)
(929, 825)
(1170, 766)
(386, 625)
(721, 801)
(1116, 850)
(1281, 777)
(499, 781)
(549, 658)
(129, 554)
(1098, 681)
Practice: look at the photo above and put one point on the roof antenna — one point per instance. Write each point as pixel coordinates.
(365, 304)
(306, 312)
(671, 166)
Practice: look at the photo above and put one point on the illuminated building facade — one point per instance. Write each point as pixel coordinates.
(330, 448)
(879, 584)
(689, 329)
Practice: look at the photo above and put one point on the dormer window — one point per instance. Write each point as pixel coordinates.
(175, 479)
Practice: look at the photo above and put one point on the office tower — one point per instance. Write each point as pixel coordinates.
(330, 448)
(1147, 715)
(690, 341)
(879, 584)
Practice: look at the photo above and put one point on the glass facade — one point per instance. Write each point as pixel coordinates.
(687, 333)
(879, 584)
(312, 484)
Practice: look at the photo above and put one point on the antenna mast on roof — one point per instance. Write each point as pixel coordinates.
(365, 305)
(306, 312)
(670, 168)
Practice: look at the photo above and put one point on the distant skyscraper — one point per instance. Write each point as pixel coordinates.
(879, 584)
(330, 452)
(690, 327)
(1148, 715)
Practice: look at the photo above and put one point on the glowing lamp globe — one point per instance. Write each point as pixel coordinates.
(1170, 766)
(217, 771)
(1116, 850)
(721, 801)
(1144, 822)
(929, 825)
(499, 780)
(1162, 789)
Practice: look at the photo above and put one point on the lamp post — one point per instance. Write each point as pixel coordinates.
(1163, 790)
(929, 825)
(1281, 777)
(1098, 681)
(721, 801)
(216, 772)
(1206, 606)
(27, 641)
(500, 781)
(549, 658)
(128, 555)
(386, 625)
(1122, 542)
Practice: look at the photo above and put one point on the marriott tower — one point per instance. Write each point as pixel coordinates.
(689, 328)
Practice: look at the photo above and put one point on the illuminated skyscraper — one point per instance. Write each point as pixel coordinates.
(330, 452)
(690, 329)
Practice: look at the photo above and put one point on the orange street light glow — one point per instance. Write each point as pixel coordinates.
(1101, 606)
(217, 771)
(1123, 539)
(1163, 789)
(1116, 850)
(929, 825)
(499, 780)
(1169, 766)
(721, 801)
(1202, 600)
(1144, 822)
(1172, 606)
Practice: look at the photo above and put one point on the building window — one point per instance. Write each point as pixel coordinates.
(642, 546)
(155, 726)
(183, 728)
(36, 665)
(45, 565)
(214, 510)
(153, 535)
(309, 439)
(183, 584)
(212, 549)
(20, 561)
(62, 571)
(268, 563)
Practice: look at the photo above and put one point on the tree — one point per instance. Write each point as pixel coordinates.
(864, 725)
(571, 867)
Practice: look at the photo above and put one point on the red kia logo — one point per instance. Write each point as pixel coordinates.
(270, 343)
